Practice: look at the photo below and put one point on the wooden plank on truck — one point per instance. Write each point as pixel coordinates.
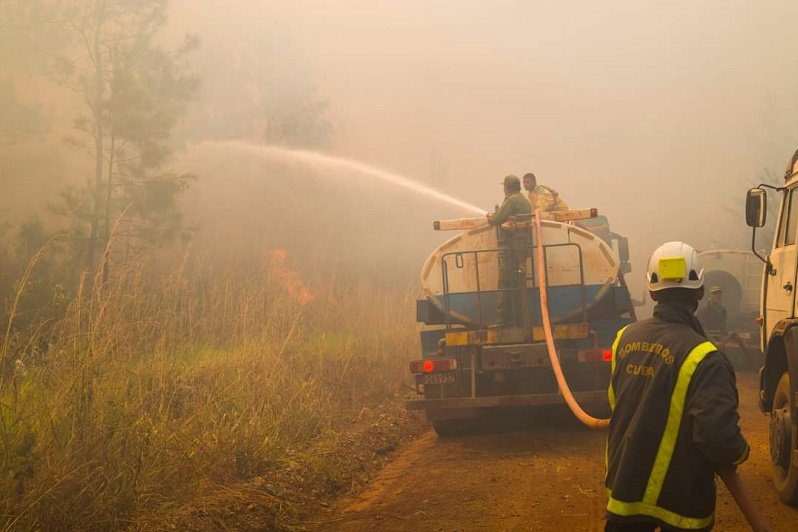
(459, 224)
(462, 224)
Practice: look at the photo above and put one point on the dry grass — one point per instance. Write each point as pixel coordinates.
(153, 395)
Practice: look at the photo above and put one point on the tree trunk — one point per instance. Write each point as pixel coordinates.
(97, 112)
(108, 196)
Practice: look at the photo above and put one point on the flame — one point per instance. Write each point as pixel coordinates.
(288, 279)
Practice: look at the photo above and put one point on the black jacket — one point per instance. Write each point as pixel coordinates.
(674, 422)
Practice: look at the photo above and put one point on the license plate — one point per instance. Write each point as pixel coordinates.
(437, 378)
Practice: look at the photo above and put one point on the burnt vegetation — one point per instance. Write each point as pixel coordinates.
(144, 375)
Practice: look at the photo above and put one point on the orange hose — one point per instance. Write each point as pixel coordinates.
(570, 400)
(752, 513)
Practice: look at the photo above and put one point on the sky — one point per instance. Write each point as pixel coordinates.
(659, 114)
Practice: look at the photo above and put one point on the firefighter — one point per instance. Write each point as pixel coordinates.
(673, 395)
(541, 197)
(513, 249)
(713, 315)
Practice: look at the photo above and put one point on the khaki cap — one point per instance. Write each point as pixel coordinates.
(511, 179)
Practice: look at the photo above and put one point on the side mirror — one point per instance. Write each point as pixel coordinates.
(755, 207)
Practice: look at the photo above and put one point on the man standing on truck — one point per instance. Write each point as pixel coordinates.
(541, 197)
(514, 247)
(673, 395)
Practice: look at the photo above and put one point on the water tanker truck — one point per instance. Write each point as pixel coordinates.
(572, 300)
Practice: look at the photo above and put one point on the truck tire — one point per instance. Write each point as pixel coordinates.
(446, 428)
(783, 441)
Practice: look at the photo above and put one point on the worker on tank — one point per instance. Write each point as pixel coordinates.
(674, 401)
(514, 247)
(541, 197)
(713, 315)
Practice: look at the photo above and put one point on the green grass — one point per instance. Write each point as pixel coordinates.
(152, 392)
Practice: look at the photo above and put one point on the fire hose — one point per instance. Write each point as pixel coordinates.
(570, 400)
(730, 477)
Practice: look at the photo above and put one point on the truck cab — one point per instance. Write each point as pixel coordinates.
(778, 382)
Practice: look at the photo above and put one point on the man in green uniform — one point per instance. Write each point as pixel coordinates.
(514, 246)
(713, 315)
(541, 197)
(674, 401)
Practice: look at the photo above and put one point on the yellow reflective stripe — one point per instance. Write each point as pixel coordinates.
(642, 508)
(611, 397)
(615, 346)
(610, 390)
(665, 452)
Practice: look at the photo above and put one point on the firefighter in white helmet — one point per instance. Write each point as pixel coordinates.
(674, 408)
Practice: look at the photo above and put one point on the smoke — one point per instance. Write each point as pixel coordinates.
(331, 212)
(658, 114)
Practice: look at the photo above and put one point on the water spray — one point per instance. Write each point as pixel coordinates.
(315, 159)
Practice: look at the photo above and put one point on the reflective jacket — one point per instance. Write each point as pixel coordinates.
(674, 422)
(546, 199)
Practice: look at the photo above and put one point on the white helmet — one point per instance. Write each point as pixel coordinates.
(674, 265)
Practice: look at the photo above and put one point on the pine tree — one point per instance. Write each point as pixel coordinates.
(135, 91)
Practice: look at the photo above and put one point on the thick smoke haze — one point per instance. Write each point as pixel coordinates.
(659, 114)
(214, 216)
(330, 212)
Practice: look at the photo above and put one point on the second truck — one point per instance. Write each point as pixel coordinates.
(778, 320)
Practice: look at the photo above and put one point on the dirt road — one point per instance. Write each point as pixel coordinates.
(544, 475)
